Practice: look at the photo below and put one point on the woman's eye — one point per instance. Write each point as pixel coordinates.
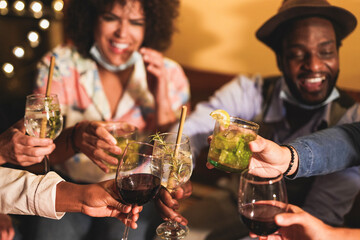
(137, 22)
(108, 17)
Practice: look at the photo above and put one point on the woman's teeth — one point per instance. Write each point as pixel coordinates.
(120, 45)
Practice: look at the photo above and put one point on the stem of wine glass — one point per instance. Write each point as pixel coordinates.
(127, 227)
(46, 164)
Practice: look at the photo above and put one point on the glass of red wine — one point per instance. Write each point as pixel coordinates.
(262, 195)
(138, 176)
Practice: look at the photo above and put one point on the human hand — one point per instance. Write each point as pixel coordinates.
(158, 85)
(167, 204)
(6, 228)
(156, 78)
(92, 139)
(300, 225)
(266, 153)
(96, 200)
(20, 149)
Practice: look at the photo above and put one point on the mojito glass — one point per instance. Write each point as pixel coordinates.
(229, 149)
(124, 133)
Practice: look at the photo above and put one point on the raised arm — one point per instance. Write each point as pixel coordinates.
(322, 152)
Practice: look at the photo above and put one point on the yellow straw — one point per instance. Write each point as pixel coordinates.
(47, 94)
(172, 175)
(180, 130)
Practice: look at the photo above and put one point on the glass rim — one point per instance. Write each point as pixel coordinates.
(42, 95)
(140, 143)
(248, 176)
(113, 122)
(183, 136)
(246, 123)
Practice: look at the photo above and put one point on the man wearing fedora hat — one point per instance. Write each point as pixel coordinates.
(306, 36)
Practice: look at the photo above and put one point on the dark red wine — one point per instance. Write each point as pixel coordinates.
(259, 218)
(138, 188)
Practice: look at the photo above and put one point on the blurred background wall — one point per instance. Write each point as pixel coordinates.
(219, 36)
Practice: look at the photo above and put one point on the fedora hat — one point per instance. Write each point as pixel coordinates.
(291, 9)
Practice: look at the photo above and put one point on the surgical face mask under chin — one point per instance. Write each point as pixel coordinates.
(99, 58)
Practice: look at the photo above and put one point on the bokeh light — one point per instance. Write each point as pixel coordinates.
(8, 69)
(3, 4)
(19, 6)
(19, 52)
(58, 5)
(36, 6)
(44, 24)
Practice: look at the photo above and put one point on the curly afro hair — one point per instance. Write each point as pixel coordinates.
(81, 18)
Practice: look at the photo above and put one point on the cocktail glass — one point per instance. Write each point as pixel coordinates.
(229, 149)
(124, 133)
(43, 118)
(178, 166)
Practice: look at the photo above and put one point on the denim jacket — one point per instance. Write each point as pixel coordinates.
(329, 150)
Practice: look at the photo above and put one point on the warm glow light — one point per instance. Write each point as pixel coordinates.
(3, 4)
(19, 5)
(44, 23)
(58, 5)
(18, 52)
(33, 36)
(36, 7)
(8, 68)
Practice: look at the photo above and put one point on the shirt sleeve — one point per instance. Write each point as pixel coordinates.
(328, 150)
(25, 193)
(241, 97)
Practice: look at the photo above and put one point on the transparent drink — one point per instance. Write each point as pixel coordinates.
(124, 133)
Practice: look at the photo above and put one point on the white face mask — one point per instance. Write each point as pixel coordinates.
(96, 54)
(286, 95)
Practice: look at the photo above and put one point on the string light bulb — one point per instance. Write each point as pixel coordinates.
(44, 24)
(19, 52)
(3, 7)
(36, 8)
(19, 6)
(58, 5)
(33, 38)
(8, 69)
(3, 4)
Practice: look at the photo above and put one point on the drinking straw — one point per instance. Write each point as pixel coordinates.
(180, 130)
(171, 182)
(47, 94)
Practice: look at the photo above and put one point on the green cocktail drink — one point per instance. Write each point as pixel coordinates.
(229, 148)
(124, 133)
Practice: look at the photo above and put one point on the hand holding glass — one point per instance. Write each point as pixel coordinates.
(43, 118)
(177, 159)
(138, 176)
(262, 195)
(124, 133)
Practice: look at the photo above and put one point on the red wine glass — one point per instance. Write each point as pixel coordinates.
(138, 176)
(262, 195)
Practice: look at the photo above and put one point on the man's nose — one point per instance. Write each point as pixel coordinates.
(314, 63)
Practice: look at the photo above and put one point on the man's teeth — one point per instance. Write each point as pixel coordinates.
(315, 80)
(120, 45)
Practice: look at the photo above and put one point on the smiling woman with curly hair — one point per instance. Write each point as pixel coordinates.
(110, 69)
(81, 17)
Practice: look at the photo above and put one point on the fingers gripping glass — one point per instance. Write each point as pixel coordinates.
(43, 118)
(138, 176)
(177, 159)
